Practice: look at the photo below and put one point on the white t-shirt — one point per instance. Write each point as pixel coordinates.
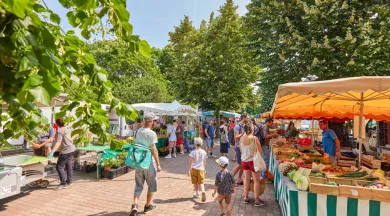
(171, 129)
(146, 137)
(198, 155)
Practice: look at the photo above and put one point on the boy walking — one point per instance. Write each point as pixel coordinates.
(197, 168)
(224, 185)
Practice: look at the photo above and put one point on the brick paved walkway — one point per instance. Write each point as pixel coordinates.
(91, 197)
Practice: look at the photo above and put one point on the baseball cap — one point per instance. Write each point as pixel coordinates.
(223, 161)
(198, 141)
(150, 116)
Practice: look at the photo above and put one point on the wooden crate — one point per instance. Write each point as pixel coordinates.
(341, 181)
(355, 192)
(324, 189)
(318, 180)
(347, 162)
(362, 182)
(381, 195)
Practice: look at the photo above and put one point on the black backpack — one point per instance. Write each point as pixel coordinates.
(259, 134)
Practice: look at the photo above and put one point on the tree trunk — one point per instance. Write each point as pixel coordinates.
(217, 123)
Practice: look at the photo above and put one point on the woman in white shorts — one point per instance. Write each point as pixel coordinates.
(171, 136)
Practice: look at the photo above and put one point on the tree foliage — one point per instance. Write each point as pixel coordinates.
(135, 78)
(38, 61)
(211, 65)
(327, 38)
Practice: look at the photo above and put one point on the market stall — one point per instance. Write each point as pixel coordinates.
(304, 182)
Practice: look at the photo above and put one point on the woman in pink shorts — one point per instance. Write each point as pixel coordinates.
(249, 145)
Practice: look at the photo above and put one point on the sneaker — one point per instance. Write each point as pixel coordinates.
(213, 156)
(196, 196)
(174, 155)
(134, 209)
(203, 197)
(259, 204)
(59, 187)
(181, 153)
(168, 156)
(149, 208)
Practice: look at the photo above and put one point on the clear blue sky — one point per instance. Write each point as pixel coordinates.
(153, 19)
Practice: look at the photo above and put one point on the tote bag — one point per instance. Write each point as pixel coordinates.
(258, 161)
(139, 157)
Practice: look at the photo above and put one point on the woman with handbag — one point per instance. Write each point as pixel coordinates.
(251, 164)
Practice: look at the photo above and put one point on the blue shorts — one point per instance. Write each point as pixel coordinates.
(238, 154)
(210, 142)
(150, 176)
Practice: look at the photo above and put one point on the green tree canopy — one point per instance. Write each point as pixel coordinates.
(135, 78)
(211, 66)
(38, 61)
(327, 38)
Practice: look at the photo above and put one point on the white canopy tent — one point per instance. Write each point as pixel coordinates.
(172, 109)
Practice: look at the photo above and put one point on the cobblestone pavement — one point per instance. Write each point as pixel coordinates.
(94, 197)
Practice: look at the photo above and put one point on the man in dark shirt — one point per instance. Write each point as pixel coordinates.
(266, 137)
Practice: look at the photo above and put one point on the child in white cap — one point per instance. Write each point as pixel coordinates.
(197, 168)
(224, 185)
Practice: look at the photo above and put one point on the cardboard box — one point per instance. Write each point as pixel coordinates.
(355, 192)
(324, 189)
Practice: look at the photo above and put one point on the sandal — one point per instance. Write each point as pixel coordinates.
(246, 200)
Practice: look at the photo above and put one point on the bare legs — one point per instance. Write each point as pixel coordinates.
(238, 169)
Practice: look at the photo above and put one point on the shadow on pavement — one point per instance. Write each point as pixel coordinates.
(122, 213)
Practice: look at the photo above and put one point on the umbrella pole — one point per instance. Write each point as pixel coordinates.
(312, 131)
(361, 130)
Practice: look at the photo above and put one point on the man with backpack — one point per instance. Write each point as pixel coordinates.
(265, 137)
(210, 135)
(238, 133)
(147, 138)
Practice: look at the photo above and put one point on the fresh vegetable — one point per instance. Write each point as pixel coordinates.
(332, 183)
(286, 167)
(130, 139)
(296, 177)
(294, 156)
(355, 174)
(378, 173)
(291, 173)
(317, 167)
(317, 160)
(303, 183)
(334, 169)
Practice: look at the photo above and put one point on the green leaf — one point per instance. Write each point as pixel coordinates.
(41, 95)
(86, 34)
(51, 83)
(27, 62)
(55, 18)
(18, 7)
(32, 82)
(72, 19)
(48, 39)
(60, 114)
(39, 8)
(144, 48)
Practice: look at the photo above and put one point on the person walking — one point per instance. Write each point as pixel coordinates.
(64, 163)
(249, 145)
(232, 142)
(171, 136)
(210, 135)
(197, 168)
(224, 140)
(238, 133)
(224, 185)
(148, 138)
(266, 137)
(330, 143)
(180, 136)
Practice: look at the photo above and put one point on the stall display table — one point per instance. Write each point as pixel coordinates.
(99, 150)
(301, 203)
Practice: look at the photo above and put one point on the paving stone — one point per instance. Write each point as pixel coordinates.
(89, 196)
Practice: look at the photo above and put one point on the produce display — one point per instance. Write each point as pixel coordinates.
(117, 145)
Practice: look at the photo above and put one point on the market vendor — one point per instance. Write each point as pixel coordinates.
(330, 143)
(42, 146)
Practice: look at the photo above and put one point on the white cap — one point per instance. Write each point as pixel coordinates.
(223, 161)
(198, 141)
(149, 116)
